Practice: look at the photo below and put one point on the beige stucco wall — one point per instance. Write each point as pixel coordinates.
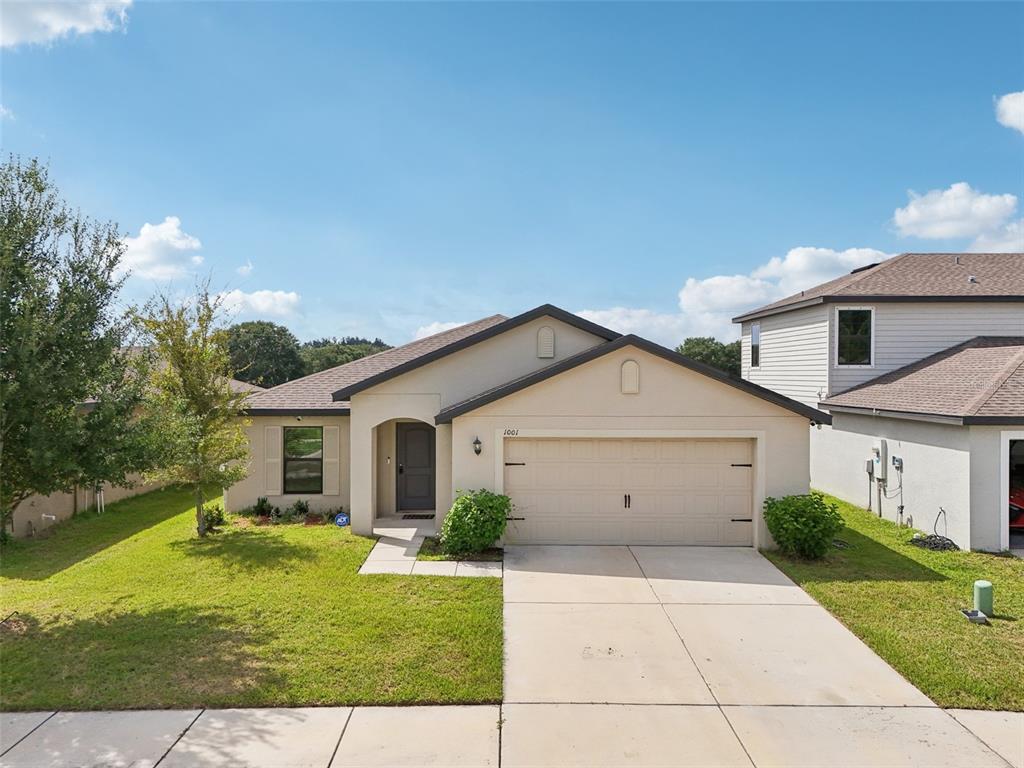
(989, 496)
(245, 493)
(672, 402)
(28, 518)
(420, 394)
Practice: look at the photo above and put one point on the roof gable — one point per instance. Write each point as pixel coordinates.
(545, 310)
(916, 277)
(489, 396)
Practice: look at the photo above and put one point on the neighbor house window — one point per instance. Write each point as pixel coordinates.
(853, 336)
(303, 460)
(755, 345)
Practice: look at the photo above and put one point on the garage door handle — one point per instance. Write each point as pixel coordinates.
(743, 519)
(741, 465)
(515, 463)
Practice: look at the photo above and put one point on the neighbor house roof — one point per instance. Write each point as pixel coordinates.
(978, 382)
(504, 324)
(243, 386)
(504, 390)
(312, 394)
(916, 277)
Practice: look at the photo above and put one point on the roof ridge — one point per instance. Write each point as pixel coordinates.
(1013, 365)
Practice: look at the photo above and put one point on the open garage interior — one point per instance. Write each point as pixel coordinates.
(1016, 493)
(630, 491)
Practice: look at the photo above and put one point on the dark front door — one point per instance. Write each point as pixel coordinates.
(415, 466)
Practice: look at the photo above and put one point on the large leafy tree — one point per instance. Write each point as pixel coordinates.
(200, 419)
(707, 349)
(70, 382)
(321, 354)
(264, 353)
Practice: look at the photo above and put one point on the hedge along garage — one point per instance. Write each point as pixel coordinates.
(630, 443)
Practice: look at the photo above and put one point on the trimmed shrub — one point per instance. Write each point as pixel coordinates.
(262, 508)
(213, 516)
(476, 520)
(803, 525)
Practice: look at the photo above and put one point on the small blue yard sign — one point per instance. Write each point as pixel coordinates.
(341, 519)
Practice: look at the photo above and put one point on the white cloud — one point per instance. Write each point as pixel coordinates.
(161, 251)
(246, 269)
(43, 22)
(959, 211)
(436, 327)
(1010, 110)
(5, 113)
(1008, 239)
(261, 303)
(706, 307)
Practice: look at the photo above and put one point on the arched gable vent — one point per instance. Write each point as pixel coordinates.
(546, 342)
(630, 377)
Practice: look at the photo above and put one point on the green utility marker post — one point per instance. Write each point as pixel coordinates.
(983, 596)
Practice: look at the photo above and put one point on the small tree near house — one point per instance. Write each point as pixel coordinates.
(199, 417)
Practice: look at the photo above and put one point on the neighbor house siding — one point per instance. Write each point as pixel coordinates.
(794, 354)
(907, 332)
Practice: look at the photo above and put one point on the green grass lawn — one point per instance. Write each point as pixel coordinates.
(431, 550)
(131, 610)
(904, 602)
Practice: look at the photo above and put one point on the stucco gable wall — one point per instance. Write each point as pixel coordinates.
(487, 364)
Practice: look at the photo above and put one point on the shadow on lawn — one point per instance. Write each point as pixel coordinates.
(246, 548)
(78, 538)
(864, 559)
(167, 658)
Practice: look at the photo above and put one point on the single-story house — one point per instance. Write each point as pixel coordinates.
(597, 437)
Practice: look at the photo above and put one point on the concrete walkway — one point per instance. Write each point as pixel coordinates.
(399, 543)
(614, 656)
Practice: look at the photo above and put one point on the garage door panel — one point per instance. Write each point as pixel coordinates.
(681, 491)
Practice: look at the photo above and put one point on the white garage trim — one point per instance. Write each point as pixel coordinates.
(1004, 483)
(758, 436)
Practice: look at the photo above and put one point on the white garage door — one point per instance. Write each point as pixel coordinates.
(630, 491)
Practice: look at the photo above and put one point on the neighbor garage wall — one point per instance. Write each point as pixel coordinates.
(936, 462)
(671, 398)
(244, 493)
(986, 487)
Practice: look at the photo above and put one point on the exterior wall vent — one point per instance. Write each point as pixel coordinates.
(546, 342)
(630, 377)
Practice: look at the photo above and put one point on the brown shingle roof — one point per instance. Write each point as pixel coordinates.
(926, 276)
(243, 386)
(979, 381)
(313, 392)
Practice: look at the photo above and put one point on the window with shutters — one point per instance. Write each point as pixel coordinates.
(546, 342)
(303, 460)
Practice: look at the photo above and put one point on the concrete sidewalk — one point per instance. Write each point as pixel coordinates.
(514, 735)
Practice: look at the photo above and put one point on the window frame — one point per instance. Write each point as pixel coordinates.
(871, 340)
(755, 328)
(285, 460)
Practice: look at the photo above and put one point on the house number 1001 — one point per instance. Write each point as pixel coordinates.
(511, 432)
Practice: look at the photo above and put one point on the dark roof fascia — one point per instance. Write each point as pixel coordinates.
(545, 310)
(934, 418)
(458, 409)
(875, 299)
(296, 411)
(994, 421)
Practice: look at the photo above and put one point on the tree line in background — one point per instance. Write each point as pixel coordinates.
(93, 392)
(268, 354)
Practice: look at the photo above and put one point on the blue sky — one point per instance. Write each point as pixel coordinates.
(384, 169)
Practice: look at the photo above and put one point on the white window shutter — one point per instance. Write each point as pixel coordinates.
(332, 468)
(273, 449)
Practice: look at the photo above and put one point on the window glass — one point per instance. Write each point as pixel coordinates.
(755, 345)
(303, 460)
(854, 337)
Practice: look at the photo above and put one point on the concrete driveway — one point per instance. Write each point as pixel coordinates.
(699, 656)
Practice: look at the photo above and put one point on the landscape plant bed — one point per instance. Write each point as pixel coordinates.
(431, 550)
(129, 610)
(905, 603)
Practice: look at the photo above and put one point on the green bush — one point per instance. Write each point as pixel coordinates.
(213, 516)
(476, 520)
(803, 525)
(299, 509)
(262, 508)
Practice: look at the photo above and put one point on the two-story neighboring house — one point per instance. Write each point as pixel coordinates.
(920, 361)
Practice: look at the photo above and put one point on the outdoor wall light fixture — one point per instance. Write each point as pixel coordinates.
(477, 446)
